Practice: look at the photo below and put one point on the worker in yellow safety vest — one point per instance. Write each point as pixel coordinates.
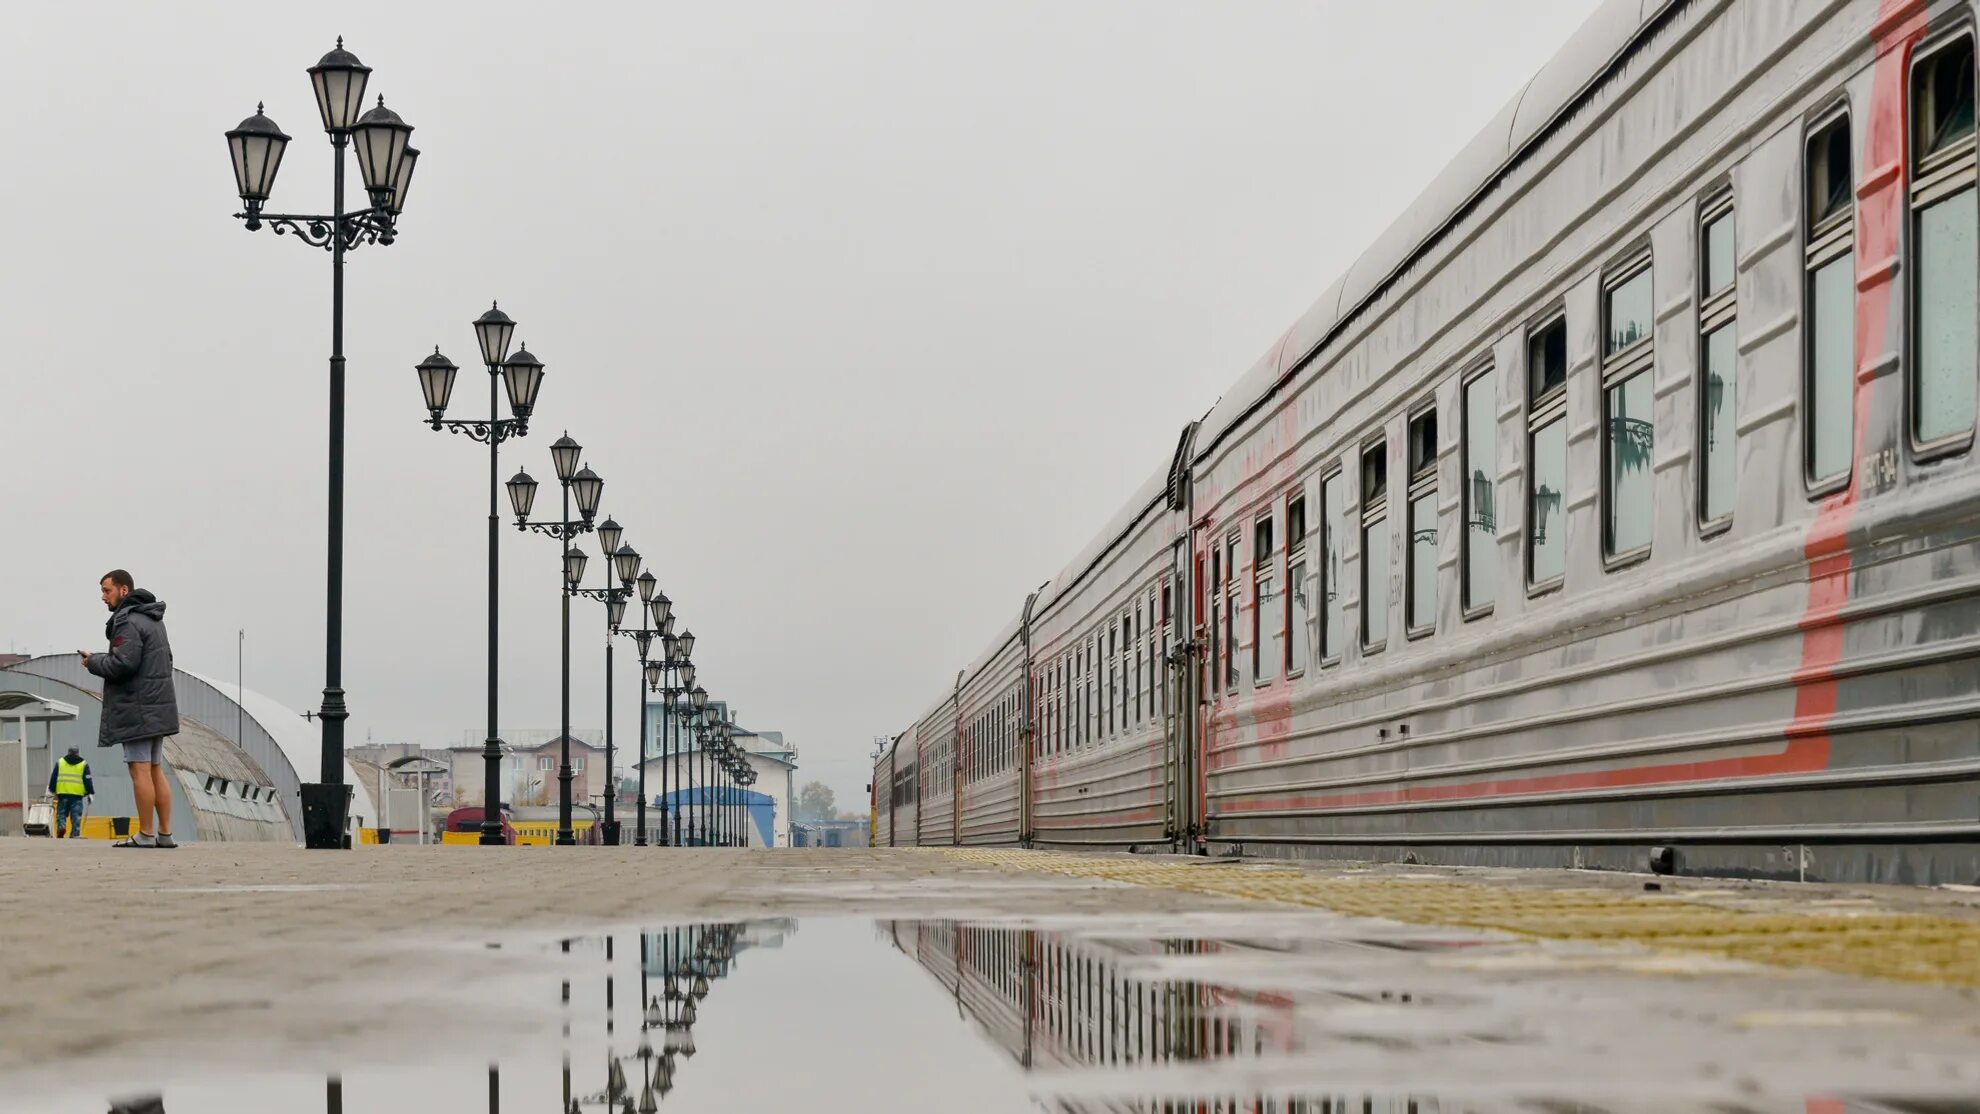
(72, 785)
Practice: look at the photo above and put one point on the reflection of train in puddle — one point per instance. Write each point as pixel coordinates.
(1112, 1013)
(1059, 1002)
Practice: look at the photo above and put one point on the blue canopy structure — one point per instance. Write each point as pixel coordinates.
(761, 808)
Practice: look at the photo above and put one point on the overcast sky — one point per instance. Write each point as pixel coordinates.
(869, 315)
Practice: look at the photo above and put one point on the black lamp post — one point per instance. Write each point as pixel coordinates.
(624, 562)
(385, 161)
(521, 375)
(675, 673)
(698, 713)
(730, 777)
(587, 488)
(649, 670)
(691, 821)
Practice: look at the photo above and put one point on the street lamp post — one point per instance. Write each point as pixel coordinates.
(649, 671)
(585, 485)
(624, 561)
(522, 376)
(697, 710)
(676, 675)
(385, 161)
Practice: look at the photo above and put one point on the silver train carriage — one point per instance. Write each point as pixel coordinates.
(1619, 503)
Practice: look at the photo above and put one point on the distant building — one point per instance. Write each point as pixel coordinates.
(674, 767)
(529, 767)
(831, 833)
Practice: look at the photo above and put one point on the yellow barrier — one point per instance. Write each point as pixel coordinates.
(529, 833)
(105, 827)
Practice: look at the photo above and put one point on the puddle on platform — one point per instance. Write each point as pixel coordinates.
(1262, 1017)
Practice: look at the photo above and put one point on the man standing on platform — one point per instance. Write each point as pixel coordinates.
(140, 706)
(71, 784)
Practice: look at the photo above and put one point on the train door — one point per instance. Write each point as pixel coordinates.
(1188, 661)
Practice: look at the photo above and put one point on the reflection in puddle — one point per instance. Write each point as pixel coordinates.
(747, 1016)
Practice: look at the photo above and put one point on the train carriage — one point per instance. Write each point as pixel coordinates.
(1618, 502)
(989, 709)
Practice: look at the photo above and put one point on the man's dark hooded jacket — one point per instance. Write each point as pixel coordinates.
(138, 700)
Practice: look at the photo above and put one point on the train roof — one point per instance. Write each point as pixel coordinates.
(1547, 97)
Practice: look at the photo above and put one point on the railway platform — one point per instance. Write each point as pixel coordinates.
(224, 978)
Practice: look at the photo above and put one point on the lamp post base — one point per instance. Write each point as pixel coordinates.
(326, 814)
(611, 833)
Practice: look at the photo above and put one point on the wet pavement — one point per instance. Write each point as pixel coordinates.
(446, 981)
(1261, 1011)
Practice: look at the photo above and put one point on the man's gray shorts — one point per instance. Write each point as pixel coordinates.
(145, 750)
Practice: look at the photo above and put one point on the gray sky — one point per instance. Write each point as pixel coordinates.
(868, 314)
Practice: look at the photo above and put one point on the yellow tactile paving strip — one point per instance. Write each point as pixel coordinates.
(1850, 940)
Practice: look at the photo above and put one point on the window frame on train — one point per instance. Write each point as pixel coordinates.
(1546, 409)
(1167, 643)
(1233, 596)
(1420, 491)
(1629, 373)
(1718, 313)
(1298, 646)
(1137, 632)
(1333, 533)
(1469, 606)
(1110, 696)
(1211, 618)
(1828, 248)
(1939, 179)
(1264, 580)
(1374, 522)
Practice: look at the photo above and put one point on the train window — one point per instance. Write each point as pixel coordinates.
(1092, 668)
(1374, 546)
(1230, 613)
(1127, 669)
(1626, 312)
(1215, 616)
(1134, 655)
(1109, 721)
(1423, 562)
(1299, 603)
(1423, 443)
(1717, 366)
(1546, 359)
(1945, 283)
(1264, 610)
(1716, 249)
(1629, 426)
(1830, 420)
(1059, 706)
(1333, 524)
(1480, 464)
(1420, 600)
(1546, 523)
